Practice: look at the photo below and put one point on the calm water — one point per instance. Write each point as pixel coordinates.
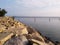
(49, 27)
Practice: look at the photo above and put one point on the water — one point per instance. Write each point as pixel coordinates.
(49, 27)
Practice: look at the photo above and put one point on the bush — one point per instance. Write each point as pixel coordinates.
(2, 12)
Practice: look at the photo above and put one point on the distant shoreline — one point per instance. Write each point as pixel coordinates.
(34, 17)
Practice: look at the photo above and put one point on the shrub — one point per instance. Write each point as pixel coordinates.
(2, 12)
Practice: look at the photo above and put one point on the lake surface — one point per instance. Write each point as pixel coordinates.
(49, 27)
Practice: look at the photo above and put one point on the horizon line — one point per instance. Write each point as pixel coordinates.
(37, 16)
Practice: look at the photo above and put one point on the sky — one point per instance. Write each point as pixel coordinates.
(31, 7)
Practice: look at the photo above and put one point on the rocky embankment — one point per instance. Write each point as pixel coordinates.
(20, 34)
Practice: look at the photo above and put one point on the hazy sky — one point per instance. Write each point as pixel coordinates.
(31, 7)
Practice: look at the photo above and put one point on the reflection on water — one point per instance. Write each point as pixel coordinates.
(49, 27)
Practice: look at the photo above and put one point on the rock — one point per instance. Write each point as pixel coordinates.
(41, 43)
(57, 43)
(5, 36)
(35, 44)
(24, 40)
(24, 31)
(19, 40)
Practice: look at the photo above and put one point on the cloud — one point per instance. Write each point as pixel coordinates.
(35, 7)
(38, 3)
(31, 3)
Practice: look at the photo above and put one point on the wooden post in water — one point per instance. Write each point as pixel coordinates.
(49, 19)
(34, 19)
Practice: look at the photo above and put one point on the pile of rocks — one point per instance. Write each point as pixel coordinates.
(23, 35)
(32, 38)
